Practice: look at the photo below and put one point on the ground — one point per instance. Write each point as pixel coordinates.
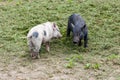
(65, 61)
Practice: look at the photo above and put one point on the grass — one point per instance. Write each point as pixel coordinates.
(17, 17)
(92, 66)
(72, 60)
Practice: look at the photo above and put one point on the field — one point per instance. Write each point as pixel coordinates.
(66, 61)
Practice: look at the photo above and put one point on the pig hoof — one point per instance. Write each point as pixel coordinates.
(85, 46)
(80, 44)
(35, 57)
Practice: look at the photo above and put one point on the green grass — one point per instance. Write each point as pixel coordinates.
(102, 17)
(92, 66)
(72, 60)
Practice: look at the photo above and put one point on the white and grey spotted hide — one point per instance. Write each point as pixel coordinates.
(42, 33)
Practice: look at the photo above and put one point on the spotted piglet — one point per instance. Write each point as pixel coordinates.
(39, 34)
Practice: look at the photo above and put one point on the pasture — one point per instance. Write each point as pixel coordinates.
(66, 61)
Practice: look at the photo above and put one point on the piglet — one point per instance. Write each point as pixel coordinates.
(78, 27)
(39, 34)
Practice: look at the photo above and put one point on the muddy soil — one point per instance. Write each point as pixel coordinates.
(52, 67)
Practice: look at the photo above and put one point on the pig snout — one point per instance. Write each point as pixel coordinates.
(75, 40)
(60, 35)
(34, 55)
(57, 34)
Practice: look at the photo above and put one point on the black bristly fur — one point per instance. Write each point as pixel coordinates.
(77, 25)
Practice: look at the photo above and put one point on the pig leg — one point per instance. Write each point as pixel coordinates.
(36, 51)
(68, 32)
(68, 29)
(48, 46)
(85, 41)
(80, 43)
(37, 45)
(31, 47)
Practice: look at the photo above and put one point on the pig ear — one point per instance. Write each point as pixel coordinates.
(83, 26)
(72, 25)
(54, 26)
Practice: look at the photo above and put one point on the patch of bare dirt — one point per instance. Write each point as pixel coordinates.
(52, 68)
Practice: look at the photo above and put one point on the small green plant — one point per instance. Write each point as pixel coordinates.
(70, 64)
(92, 66)
(76, 58)
(96, 66)
(72, 60)
(87, 66)
(113, 56)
